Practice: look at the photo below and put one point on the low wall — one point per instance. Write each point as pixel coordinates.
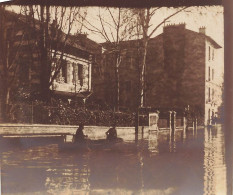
(163, 123)
(93, 132)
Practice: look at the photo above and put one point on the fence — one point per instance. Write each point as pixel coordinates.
(169, 119)
(166, 120)
(65, 114)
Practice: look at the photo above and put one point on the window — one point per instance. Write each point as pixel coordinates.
(77, 73)
(212, 74)
(208, 73)
(212, 54)
(128, 61)
(209, 52)
(209, 116)
(212, 117)
(209, 94)
(80, 74)
(75, 70)
(64, 70)
(212, 93)
(54, 66)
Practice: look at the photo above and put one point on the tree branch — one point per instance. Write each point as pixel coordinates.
(165, 21)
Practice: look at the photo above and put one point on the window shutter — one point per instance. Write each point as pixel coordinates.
(64, 70)
(55, 64)
(80, 74)
(75, 73)
(58, 76)
(69, 73)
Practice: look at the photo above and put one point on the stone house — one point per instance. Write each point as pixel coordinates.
(79, 64)
(78, 57)
(183, 68)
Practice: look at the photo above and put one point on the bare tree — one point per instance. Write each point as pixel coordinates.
(10, 48)
(147, 30)
(53, 26)
(115, 26)
(41, 31)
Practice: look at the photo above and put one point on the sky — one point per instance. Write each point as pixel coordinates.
(211, 17)
(194, 17)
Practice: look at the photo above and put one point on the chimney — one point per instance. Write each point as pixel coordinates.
(202, 30)
(83, 35)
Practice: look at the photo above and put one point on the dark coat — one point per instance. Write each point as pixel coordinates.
(79, 135)
(111, 133)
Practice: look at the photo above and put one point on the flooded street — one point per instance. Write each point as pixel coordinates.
(155, 163)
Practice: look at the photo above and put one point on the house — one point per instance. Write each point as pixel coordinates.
(70, 58)
(182, 68)
(75, 75)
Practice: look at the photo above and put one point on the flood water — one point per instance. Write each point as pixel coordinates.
(155, 163)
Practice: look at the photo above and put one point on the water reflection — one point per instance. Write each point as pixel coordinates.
(172, 141)
(158, 163)
(214, 164)
(153, 142)
(73, 174)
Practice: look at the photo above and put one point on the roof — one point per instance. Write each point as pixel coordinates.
(75, 41)
(213, 42)
(123, 44)
(182, 26)
(131, 43)
(208, 38)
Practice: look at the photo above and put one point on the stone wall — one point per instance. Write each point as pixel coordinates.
(194, 74)
(176, 69)
(93, 132)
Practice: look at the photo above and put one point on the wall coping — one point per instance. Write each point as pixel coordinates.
(59, 126)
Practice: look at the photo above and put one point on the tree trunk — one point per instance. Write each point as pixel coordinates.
(44, 74)
(138, 94)
(5, 104)
(117, 89)
(142, 77)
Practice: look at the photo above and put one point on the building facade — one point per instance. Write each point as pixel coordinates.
(182, 68)
(78, 67)
(72, 57)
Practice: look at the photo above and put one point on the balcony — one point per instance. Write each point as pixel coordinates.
(69, 87)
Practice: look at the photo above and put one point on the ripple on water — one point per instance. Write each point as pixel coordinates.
(157, 164)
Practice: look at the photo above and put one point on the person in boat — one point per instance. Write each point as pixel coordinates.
(79, 135)
(112, 133)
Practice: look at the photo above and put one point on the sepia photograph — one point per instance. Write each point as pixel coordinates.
(113, 100)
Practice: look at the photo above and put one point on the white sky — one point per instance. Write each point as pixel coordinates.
(194, 17)
(209, 16)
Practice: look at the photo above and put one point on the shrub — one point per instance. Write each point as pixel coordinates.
(62, 113)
